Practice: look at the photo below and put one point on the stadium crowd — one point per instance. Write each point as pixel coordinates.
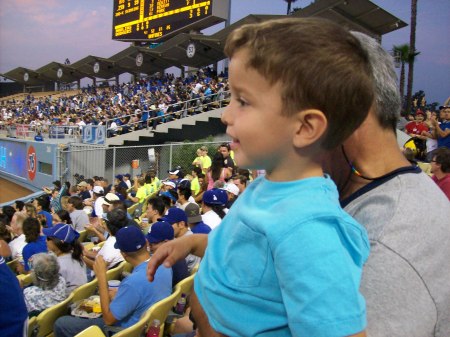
(248, 242)
(121, 108)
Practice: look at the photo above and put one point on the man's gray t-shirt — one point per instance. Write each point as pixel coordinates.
(406, 280)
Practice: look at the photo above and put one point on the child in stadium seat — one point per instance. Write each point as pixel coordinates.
(286, 255)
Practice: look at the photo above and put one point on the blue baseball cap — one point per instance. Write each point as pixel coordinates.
(119, 176)
(63, 232)
(169, 195)
(160, 231)
(129, 239)
(215, 196)
(173, 215)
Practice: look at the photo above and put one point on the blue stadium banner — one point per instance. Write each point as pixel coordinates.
(94, 134)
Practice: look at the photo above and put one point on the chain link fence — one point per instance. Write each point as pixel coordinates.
(89, 160)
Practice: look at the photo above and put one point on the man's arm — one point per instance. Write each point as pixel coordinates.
(172, 251)
(439, 132)
(100, 271)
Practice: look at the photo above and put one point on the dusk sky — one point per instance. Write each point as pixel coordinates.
(34, 33)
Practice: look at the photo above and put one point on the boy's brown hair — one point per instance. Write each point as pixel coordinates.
(319, 65)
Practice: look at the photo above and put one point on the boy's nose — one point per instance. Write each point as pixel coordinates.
(225, 115)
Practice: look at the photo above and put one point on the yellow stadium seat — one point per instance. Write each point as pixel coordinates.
(158, 311)
(84, 291)
(25, 279)
(13, 265)
(31, 326)
(83, 236)
(116, 272)
(46, 319)
(92, 331)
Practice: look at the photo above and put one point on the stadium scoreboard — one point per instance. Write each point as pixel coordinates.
(157, 20)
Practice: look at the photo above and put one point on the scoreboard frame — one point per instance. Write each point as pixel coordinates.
(158, 20)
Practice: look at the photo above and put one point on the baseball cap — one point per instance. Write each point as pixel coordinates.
(119, 176)
(174, 171)
(98, 190)
(174, 214)
(169, 195)
(129, 239)
(419, 112)
(215, 196)
(63, 232)
(127, 175)
(185, 183)
(444, 107)
(82, 184)
(232, 188)
(169, 183)
(160, 231)
(192, 212)
(110, 197)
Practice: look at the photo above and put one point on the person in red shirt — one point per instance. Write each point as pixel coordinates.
(414, 129)
(440, 167)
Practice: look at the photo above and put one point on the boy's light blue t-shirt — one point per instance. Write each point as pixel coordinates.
(285, 261)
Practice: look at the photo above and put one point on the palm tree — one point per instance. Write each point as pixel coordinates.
(404, 56)
(412, 51)
(289, 2)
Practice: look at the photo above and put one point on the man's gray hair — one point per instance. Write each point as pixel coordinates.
(45, 272)
(387, 96)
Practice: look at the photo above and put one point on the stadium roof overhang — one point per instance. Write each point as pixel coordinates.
(142, 60)
(98, 67)
(31, 79)
(59, 72)
(360, 15)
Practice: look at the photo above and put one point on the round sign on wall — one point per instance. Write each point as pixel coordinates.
(190, 50)
(59, 73)
(96, 67)
(31, 162)
(26, 77)
(139, 59)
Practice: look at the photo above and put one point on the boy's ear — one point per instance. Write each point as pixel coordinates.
(311, 126)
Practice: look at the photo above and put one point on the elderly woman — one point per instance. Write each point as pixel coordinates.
(49, 288)
(62, 241)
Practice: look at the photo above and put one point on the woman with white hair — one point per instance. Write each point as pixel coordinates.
(49, 288)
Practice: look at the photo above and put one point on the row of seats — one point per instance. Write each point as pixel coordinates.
(42, 325)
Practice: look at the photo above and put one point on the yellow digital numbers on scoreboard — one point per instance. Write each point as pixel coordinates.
(139, 20)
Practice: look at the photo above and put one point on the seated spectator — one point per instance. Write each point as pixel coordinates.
(184, 194)
(135, 294)
(13, 311)
(19, 205)
(155, 210)
(49, 288)
(78, 216)
(141, 193)
(161, 232)
(126, 179)
(213, 208)
(30, 210)
(18, 243)
(195, 222)
(179, 221)
(203, 188)
(63, 217)
(83, 192)
(62, 240)
(241, 182)
(42, 205)
(115, 220)
(232, 192)
(36, 243)
(440, 167)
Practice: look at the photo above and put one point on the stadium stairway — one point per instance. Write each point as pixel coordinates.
(189, 128)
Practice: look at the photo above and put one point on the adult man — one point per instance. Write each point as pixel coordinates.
(194, 219)
(440, 167)
(82, 190)
(42, 205)
(232, 193)
(161, 232)
(442, 130)
(227, 160)
(77, 214)
(241, 182)
(178, 219)
(405, 280)
(135, 294)
(126, 179)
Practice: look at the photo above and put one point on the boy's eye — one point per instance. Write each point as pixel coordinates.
(241, 102)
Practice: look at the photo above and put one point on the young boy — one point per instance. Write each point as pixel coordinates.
(287, 260)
